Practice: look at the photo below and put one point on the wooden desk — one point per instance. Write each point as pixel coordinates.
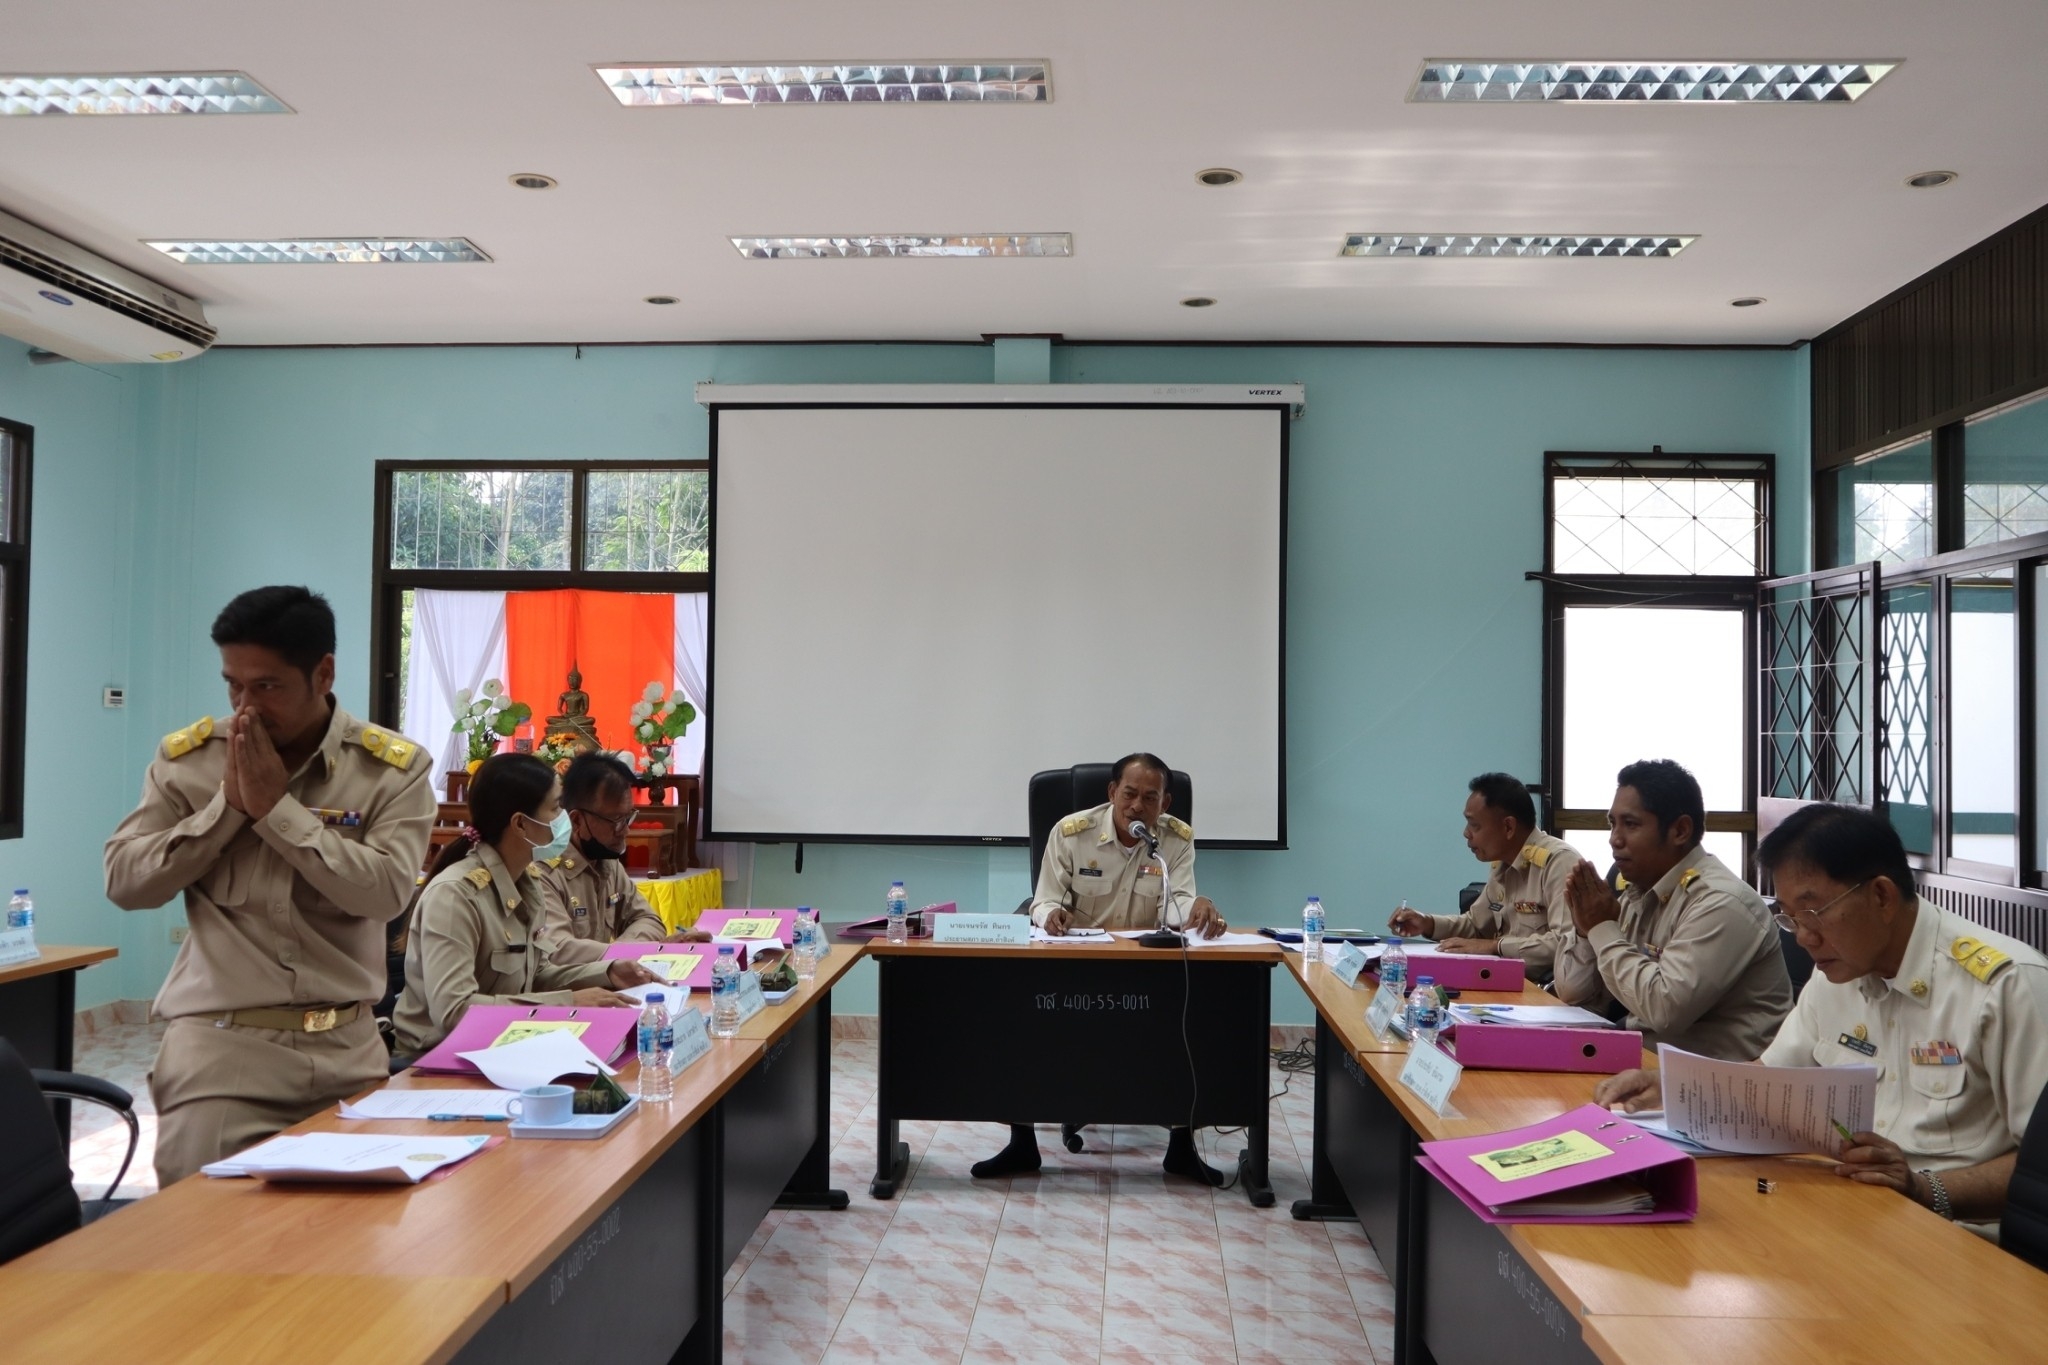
(39, 1011)
(1341, 1038)
(966, 1033)
(61, 1317)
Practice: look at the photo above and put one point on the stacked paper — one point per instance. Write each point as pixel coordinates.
(348, 1158)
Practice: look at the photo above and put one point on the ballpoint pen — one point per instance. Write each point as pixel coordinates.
(465, 1118)
(1842, 1128)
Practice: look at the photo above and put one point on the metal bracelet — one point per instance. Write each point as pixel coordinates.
(1940, 1193)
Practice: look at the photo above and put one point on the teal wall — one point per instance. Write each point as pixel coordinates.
(1413, 654)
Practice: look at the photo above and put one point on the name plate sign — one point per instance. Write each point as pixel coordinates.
(1009, 930)
(751, 999)
(1385, 1008)
(1348, 963)
(18, 945)
(693, 1040)
(1431, 1074)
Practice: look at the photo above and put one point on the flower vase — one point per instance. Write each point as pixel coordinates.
(657, 760)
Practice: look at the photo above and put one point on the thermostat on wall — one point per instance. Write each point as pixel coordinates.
(113, 698)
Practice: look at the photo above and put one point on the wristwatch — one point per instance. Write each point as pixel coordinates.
(1940, 1193)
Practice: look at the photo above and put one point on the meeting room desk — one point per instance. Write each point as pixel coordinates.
(39, 1007)
(1073, 1034)
(567, 1236)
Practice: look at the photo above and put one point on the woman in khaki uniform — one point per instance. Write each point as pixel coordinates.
(476, 933)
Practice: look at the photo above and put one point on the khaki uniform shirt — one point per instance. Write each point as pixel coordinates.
(1959, 1039)
(1523, 905)
(592, 903)
(289, 910)
(1694, 960)
(474, 942)
(1107, 886)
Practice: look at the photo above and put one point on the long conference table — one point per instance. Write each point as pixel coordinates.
(1820, 1269)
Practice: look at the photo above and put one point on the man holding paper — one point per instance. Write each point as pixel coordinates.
(592, 902)
(1522, 911)
(1953, 1016)
(1688, 949)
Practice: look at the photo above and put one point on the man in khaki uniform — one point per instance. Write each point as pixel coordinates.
(1097, 874)
(1689, 951)
(1522, 911)
(1953, 1016)
(294, 832)
(591, 899)
(474, 943)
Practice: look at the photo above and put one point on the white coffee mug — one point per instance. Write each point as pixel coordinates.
(542, 1105)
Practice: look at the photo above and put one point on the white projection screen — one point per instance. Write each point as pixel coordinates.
(915, 608)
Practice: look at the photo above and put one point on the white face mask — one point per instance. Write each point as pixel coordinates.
(558, 842)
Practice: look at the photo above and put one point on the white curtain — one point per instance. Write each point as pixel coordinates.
(458, 641)
(693, 644)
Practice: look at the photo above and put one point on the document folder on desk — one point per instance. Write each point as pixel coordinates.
(779, 925)
(1509, 1047)
(1466, 971)
(604, 1031)
(1588, 1166)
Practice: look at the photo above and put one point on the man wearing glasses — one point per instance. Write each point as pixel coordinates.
(1953, 1016)
(594, 901)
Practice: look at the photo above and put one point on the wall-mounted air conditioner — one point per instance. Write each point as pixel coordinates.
(63, 298)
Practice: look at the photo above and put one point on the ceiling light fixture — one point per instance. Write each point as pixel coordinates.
(962, 82)
(533, 180)
(170, 92)
(1458, 80)
(904, 244)
(1198, 302)
(326, 251)
(1219, 175)
(1931, 180)
(1749, 301)
(662, 300)
(1443, 244)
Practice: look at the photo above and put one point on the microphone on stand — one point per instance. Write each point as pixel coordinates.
(1138, 829)
(1162, 936)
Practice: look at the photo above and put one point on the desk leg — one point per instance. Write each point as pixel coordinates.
(705, 1344)
(1326, 1199)
(892, 1154)
(1251, 1168)
(1409, 1346)
(811, 1186)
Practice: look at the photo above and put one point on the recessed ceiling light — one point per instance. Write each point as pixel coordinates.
(1219, 175)
(962, 82)
(661, 299)
(905, 244)
(326, 251)
(1749, 301)
(169, 92)
(532, 180)
(1443, 244)
(1931, 180)
(1457, 80)
(1198, 302)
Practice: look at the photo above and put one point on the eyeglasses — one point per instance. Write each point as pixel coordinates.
(618, 826)
(1795, 920)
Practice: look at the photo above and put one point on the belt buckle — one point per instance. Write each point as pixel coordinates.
(319, 1021)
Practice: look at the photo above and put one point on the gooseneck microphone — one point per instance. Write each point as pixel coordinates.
(1138, 829)
(1162, 936)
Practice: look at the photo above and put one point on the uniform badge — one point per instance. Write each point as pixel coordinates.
(1529, 908)
(577, 910)
(339, 819)
(1918, 987)
(1937, 1054)
(1089, 871)
(1856, 1044)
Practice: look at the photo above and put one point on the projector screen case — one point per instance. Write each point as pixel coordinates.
(915, 607)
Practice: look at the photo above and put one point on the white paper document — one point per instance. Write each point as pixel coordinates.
(1760, 1110)
(349, 1158)
(536, 1060)
(672, 994)
(428, 1104)
(1223, 940)
(1039, 935)
(1530, 1016)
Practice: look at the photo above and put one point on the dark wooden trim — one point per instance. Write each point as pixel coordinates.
(14, 554)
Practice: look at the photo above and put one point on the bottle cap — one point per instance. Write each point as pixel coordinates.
(655, 997)
(803, 909)
(21, 891)
(1425, 981)
(727, 949)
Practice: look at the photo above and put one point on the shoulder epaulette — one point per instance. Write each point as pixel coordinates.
(1177, 828)
(478, 877)
(178, 743)
(1688, 877)
(1978, 959)
(396, 750)
(1073, 825)
(559, 860)
(1537, 857)
(1621, 883)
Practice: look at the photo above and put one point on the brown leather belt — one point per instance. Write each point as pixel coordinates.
(315, 1019)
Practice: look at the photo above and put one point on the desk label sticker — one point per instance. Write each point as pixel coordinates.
(1008, 930)
(693, 1040)
(1431, 1074)
(671, 967)
(1385, 1008)
(533, 1028)
(1348, 963)
(1542, 1156)
(768, 927)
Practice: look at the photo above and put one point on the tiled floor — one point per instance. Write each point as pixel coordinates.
(1098, 1258)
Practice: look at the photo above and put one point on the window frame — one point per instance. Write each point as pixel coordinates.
(14, 554)
(1711, 591)
(388, 584)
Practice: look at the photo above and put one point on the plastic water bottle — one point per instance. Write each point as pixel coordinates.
(899, 914)
(1312, 923)
(657, 1042)
(1394, 969)
(21, 911)
(1422, 1011)
(804, 950)
(725, 992)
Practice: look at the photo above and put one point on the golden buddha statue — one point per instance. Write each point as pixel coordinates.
(574, 719)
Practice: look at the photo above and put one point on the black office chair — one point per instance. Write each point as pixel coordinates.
(37, 1201)
(1798, 962)
(2023, 1229)
(1469, 895)
(1055, 794)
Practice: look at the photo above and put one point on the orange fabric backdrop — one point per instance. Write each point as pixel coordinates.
(620, 640)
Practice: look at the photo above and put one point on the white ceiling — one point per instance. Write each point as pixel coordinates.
(410, 116)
